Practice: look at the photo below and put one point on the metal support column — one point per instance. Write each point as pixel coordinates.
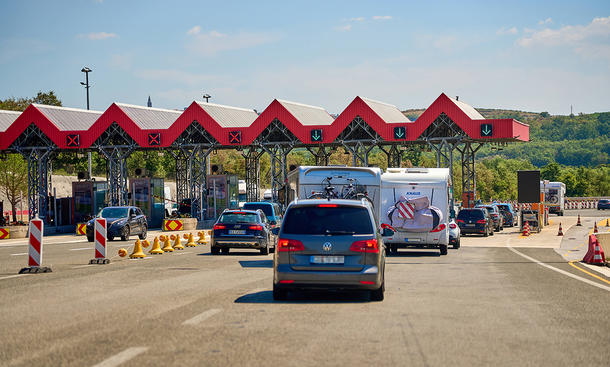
(468, 167)
(252, 158)
(321, 154)
(182, 175)
(360, 153)
(197, 165)
(279, 170)
(38, 181)
(116, 173)
(394, 155)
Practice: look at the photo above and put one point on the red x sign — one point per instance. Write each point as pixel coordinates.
(72, 140)
(234, 137)
(154, 139)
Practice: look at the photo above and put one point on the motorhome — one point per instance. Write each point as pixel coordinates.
(348, 182)
(415, 202)
(554, 196)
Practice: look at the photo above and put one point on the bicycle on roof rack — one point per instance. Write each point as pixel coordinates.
(352, 191)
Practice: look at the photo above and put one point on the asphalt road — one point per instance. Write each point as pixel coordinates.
(475, 306)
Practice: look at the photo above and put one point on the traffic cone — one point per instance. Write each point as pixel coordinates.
(201, 239)
(595, 255)
(145, 243)
(167, 246)
(526, 229)
(607, 222)
(594, 227)
(177, 245)
(560, 233)
(156, 248)
(191, 242)
(578, 222)
(137, 251)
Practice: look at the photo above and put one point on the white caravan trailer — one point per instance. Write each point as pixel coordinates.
(307, 181)
(554, 196)
(415, 202)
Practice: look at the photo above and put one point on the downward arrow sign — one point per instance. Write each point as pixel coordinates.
(316, 136)
(400, 133)
(486, 131)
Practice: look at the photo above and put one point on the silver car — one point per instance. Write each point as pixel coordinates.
(329, 244)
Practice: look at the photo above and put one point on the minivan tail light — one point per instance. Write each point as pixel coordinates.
(327, 205)
(439, 228)
(219, 226)
(287, 245)
(481, 221)
(452, 226)
(366, 246)
(256, 228)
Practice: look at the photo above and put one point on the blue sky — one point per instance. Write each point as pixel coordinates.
(526, 55)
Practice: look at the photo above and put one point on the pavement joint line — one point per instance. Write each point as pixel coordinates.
(585, 280)
(122, 357)
(587, 272)
(12, 276)
(196, 320)
(19, 254)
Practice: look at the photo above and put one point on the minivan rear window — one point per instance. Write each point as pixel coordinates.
(237, 217)
(466, 214)
(266, 208)
(327, 221)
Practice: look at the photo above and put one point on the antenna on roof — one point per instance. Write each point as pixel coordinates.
(457, 98)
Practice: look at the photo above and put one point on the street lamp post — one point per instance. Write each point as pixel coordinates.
(86, 70)
(206, 97)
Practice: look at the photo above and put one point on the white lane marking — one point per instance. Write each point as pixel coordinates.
(202, 316)
(46, 243)
(122, 357)
(12, 276)
(590, 282)
(257, 290)
(80, 249)
(19, 254)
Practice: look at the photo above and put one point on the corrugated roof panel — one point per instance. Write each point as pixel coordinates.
(306, 114)
(7, 118)
(388, 113)
(468, 109)
(148, 118)
(227, 116)
(67, 119)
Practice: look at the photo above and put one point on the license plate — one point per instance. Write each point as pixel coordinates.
(237, 231)
(327, 259)
(412, 240)
(470, 225)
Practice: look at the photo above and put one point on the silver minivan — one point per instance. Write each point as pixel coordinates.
(329, 244)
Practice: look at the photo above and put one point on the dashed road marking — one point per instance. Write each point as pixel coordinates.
(122, 357)
(80, 249)
(202, 317)
(19, 254)
(12, 276)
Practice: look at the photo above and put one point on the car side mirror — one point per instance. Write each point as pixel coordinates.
(275, 231)
(387, 232)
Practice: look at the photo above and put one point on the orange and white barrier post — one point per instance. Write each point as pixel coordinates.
(99, 236)
(36, 231)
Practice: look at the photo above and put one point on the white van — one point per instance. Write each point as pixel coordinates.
(415, 202)
(554, 196)
(307, 181)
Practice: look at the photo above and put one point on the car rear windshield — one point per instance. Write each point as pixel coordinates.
(327, 220)
(264, 207)
(467, 214)
(504, 207)
(114, 213)
(238, 217)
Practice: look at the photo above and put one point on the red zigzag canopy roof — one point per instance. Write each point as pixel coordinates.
(61, 124)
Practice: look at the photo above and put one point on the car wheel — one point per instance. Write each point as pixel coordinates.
(486, 233)
(377, 294)
(443, 249)
(110, 238)
(456, 245)
(279, 294)
(125, 235)
(142, 235)
(394, 249)
(215, 250)
(492, 232)
(225, 250)
(90, 239)
(265, 250)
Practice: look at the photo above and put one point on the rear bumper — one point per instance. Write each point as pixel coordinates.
(251, 242)
(464, 230)
(327, 279)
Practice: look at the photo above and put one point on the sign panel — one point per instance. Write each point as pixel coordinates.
(73, 140)
(234, 137)
(316, 135)
(400, 132)
(487, 130)
(528, 186)
(154, 139)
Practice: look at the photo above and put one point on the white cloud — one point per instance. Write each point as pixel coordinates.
(597, 32)
(546, 21)
(504, 31)
(98, 36)
(195, 30)
(382, 17)
(214, 42)
(344, 28)
(357, 19)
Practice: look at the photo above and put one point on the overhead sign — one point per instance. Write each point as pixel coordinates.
(487, 130)
(234, 137)
(73, 140)
(316, 135)
(400, 132)
(154, 139)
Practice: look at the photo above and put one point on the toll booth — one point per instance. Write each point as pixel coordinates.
(222, 193)
(89, 197)
(148, 195)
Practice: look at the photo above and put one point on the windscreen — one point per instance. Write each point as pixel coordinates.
(264, 207)
(468, 214)
(113, 213)
(327, 220)
(233, 218)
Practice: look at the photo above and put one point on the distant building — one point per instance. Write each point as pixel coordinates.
(149, 104)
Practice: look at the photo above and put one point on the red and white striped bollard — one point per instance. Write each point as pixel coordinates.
(36, 235)
(99, 236)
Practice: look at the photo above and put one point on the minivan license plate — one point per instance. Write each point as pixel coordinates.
(237, 231)
(327, 260)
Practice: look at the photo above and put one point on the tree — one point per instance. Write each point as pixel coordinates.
(13, 169)
(20, 104)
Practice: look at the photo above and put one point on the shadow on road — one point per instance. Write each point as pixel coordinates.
(406, 253)
(256, 264)
(233, 253)
(302, 297)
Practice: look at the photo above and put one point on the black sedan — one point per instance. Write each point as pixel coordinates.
(603, 204)
(121, 221)
(242, 229)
